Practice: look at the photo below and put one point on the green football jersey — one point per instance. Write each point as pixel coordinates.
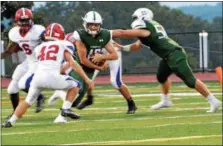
(93, 44)
(158, 41)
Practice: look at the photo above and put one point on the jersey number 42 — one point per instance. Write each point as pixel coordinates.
(48, 53)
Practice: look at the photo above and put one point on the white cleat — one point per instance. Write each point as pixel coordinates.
(162, 104)
(53, 98)
(214, 106)
(60, 119)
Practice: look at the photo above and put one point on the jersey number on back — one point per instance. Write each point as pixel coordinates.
(161, 31)
(48, 53)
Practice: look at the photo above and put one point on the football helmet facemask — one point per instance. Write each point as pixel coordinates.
(24, 19)
(92, 22)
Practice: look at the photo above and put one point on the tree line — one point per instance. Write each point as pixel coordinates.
(118, 15)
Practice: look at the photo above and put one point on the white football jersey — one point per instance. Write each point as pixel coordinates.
(28, 42)
(50, 55)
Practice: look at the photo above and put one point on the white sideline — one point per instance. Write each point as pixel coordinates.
(145, 140)
(86, 129)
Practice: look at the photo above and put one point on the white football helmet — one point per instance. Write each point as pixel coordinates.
(143, 14)
(92, 17)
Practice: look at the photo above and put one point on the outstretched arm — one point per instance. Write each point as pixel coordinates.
(11, 48)
(130, 33)
(131, 47)
(77, 68)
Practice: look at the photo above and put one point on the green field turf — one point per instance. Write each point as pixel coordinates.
(105, 123)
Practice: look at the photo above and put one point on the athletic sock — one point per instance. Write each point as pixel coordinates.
(165, 97)
(13, 119)
(211, 98)
(40, 97)
(14, 100)
(90, 97)
(66, 105)
(130, 101)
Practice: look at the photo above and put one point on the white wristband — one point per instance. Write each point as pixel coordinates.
(126, 48)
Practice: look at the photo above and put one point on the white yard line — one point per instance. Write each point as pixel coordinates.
(112, 120)
(153, 94)
(87, 129)
(125, 107)
(145, 140)
(117, 111)
(114, 109)
(147, 95)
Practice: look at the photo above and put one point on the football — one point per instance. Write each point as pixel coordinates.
(101, 63)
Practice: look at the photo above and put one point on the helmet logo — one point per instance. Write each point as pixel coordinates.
(143, 13)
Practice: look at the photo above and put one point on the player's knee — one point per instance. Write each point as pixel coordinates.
(13, 87)
(190, 82)
(116, 83)
(76, 84)
(161, 79)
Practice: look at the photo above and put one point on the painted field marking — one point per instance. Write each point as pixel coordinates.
(87, 129)
(121, 119)
(146, 95)
(145, 140)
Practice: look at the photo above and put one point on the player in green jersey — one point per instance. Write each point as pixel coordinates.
(91, 41)
(96, 41)
(174, 59)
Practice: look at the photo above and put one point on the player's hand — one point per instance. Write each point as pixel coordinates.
(90, 84)
(97, 58)
(120, 47)
(105, 66)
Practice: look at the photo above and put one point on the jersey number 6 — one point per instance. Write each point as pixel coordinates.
(26, 49)
(49, 53)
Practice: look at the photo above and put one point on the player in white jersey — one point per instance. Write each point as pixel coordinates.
(60, 93)
(50, 54)
(26, 36)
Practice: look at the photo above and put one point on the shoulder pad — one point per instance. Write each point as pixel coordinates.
(39, 29)
(13, 33)
(137, 24)
(69, 46)
(76, 36)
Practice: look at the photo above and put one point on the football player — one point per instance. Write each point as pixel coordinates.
(66, 70)
(25, 35)
(174, 59)
(90, 41)
(50, 54)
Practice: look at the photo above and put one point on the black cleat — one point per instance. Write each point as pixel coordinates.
(69, 113)
(87, 102)
(6, 125)
(40, 105)
(131, 107)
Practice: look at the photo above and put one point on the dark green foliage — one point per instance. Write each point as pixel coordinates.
(118, 15)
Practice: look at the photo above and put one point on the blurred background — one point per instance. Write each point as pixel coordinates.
(183, 22)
